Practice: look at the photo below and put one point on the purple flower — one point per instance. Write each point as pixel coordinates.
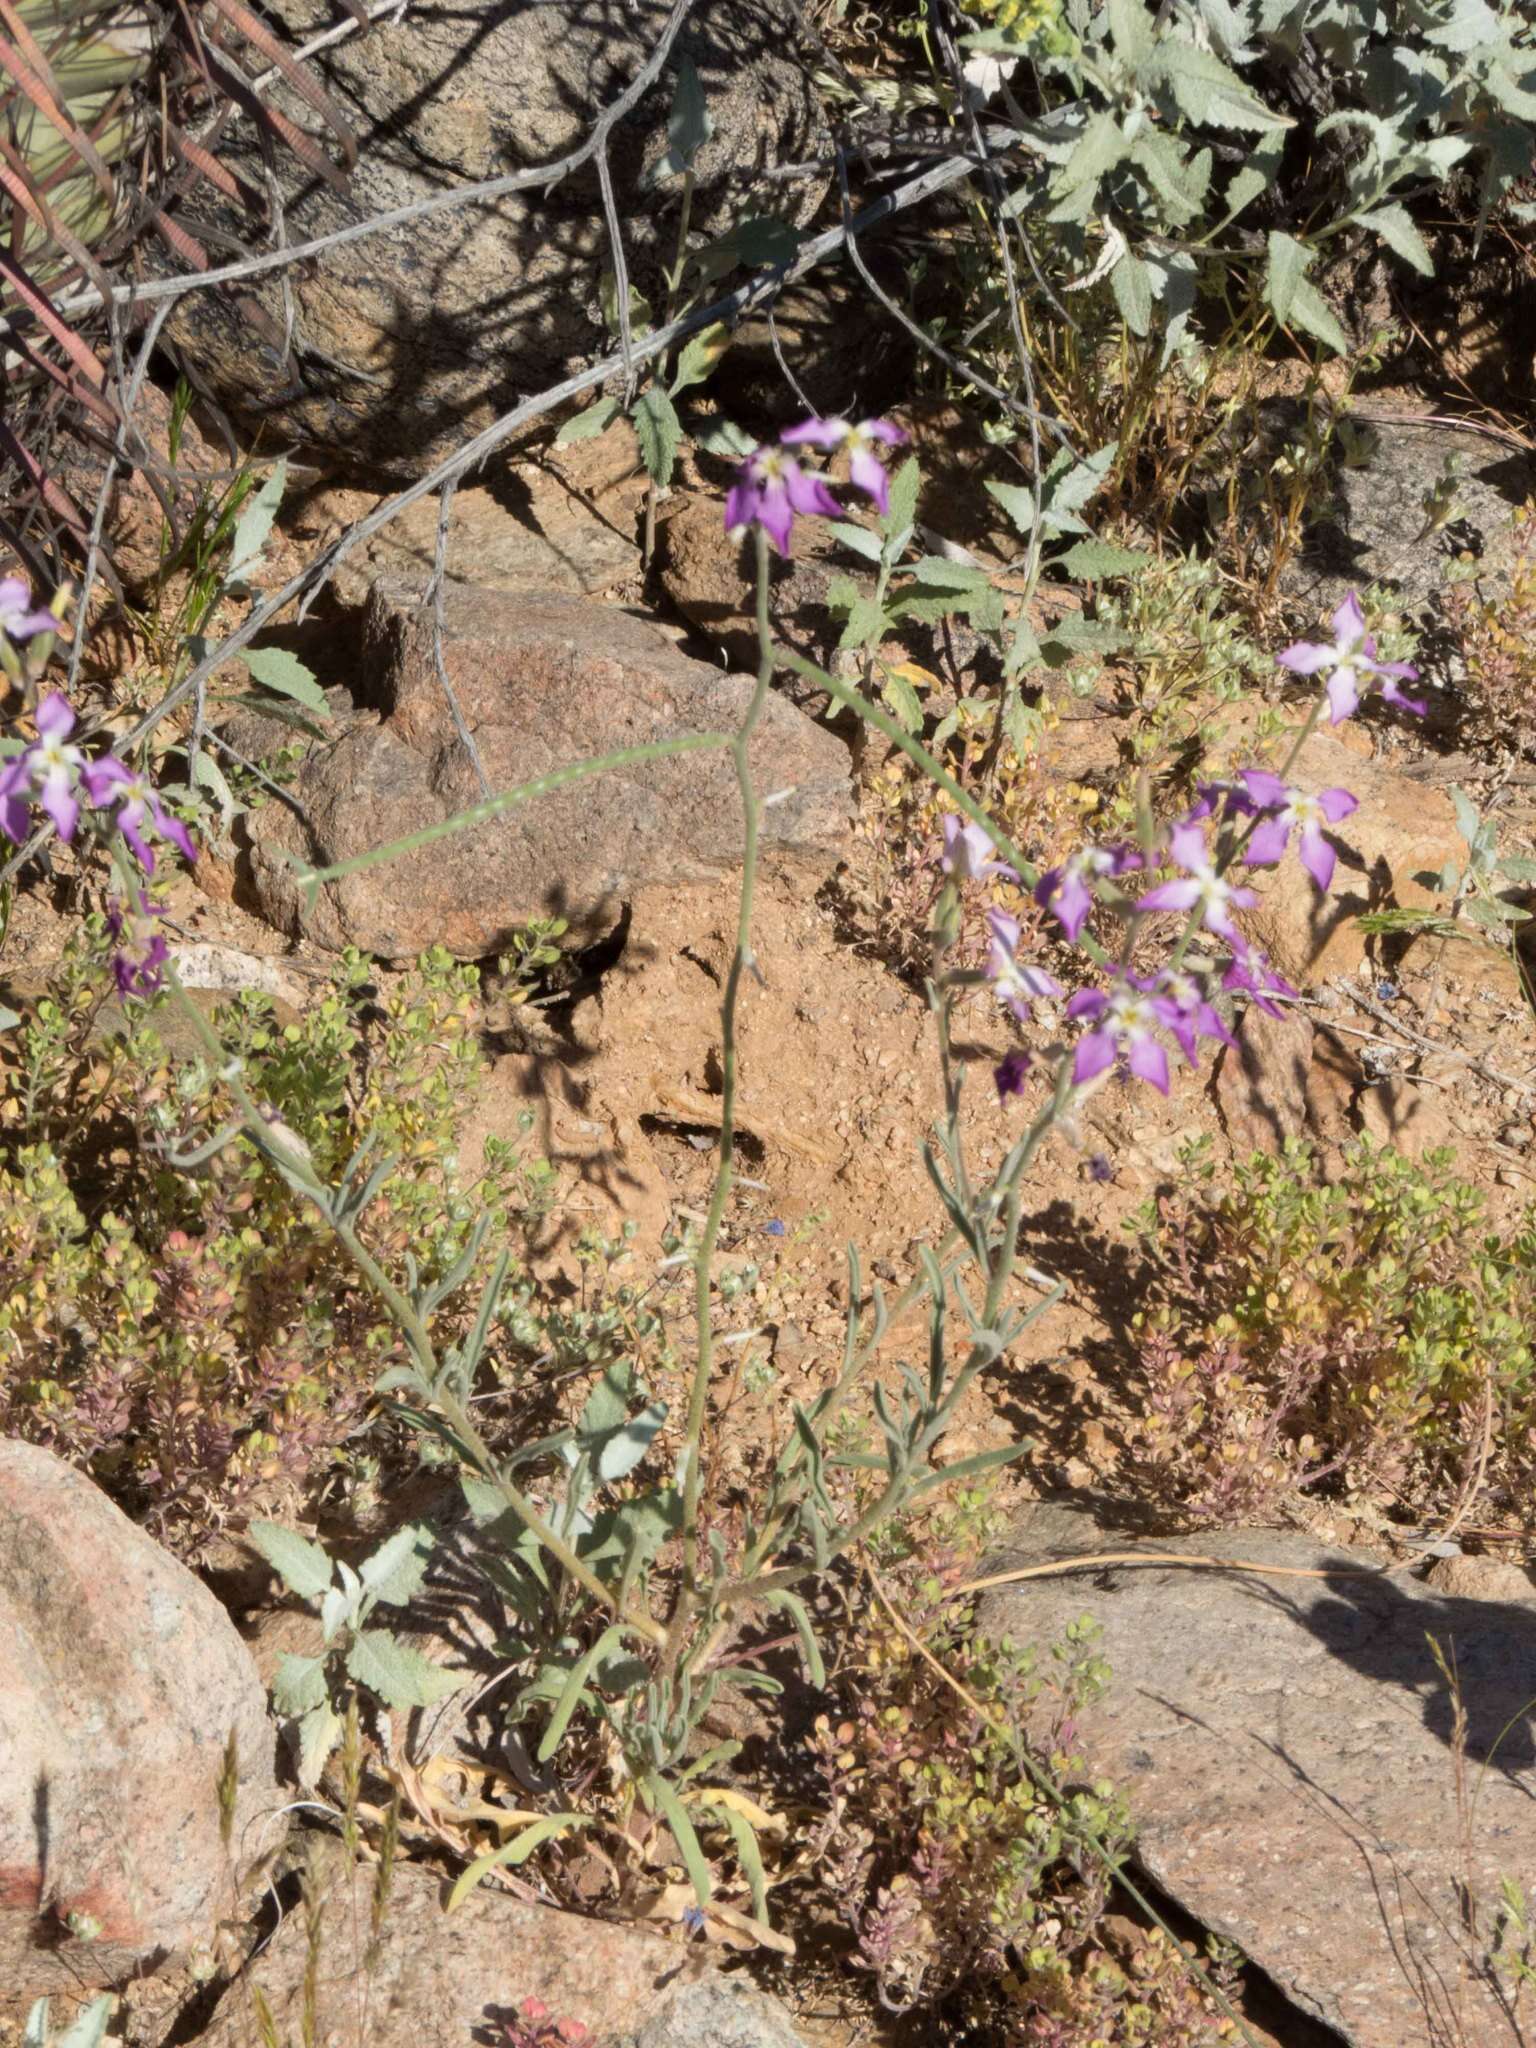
(1064, 891)
(1251, 974)
(1181, 1005)
(107, 781)
(865, 470)
(1286, 808)
(18, 618)
(47, 771)
(968, 853)
(770, 488)
(1015, 986)
(1009, 1074)
(1202, 888)
(139, 948)
(1126, 1023)
(1349, 658)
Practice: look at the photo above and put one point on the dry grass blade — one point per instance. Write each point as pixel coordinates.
(17, 180)
(37, 301)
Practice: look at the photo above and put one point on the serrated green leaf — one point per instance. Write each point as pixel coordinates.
(939, 573)
(1494, 916)
(1211, 93)
(1088, 561)
(1131, 31)
(88, 2029)
(866, 626)
(302, 1566)
(1131, 283)
(1103, 145)
(255, 523)
(1018, 502)
(207, 775)
(1514, 869)
(298, 1685)
(512, 1852)
(395, 1571)
(589, 423)
(660, 1796)
(400, 1675)
(319, 1732)
(905, 485)
(903, 700)
(1395, 226)
(659, 433)
(700, 354)
(1285, 269)
(276, 669)
(859, 538)
(1311, 312)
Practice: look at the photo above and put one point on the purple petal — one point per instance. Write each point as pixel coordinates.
(1009, 1074)
(866, 474)
(129, 819)
(1403, 670)
(741, 502)
(13, 818)
(1336, 804)
(1317, 856)
(58, 799)
(1348, 622)
(1005, 930)
(1087, 1002)
(1267, 790)
(1305, 657)
(807, 492)
(1343, 695)
(1403, 701)
(1170, 896)
(1147, 1060)
(1186, 847)
(816, 433)
(102, 778)
(1267, 843)
(886, 431)
(1071, 902)
(55, 719)
(1095, 1053)
(775, 515)
(1038, 982)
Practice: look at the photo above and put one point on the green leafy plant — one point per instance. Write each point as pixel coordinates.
(1478, 889)
(311, 1691)
(88, 2029)
(1299, 1332)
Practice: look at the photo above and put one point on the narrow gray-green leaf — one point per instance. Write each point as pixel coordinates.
(512, 1852)
(255, 522)
(1132, 286)
(575, 1685)
(748, 1854)
(675, 1814)
(276, 669)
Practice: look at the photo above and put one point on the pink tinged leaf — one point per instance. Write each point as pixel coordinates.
(866, 474)
(1267, 843)
(1147, 1060)
(1095, 1054)
(1305, 657)
(816, 434)
(1343, 694)
(1171, 896)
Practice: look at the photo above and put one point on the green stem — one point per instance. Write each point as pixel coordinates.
(741, 746)
(296, 1169)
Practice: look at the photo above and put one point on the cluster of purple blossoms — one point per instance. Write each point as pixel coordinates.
(771, 487)
(1258, 816)
(54, 774)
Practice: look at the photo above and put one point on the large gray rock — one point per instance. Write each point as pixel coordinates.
(121, 1682)
(440, 1980)
(411, 340)
(1370, 527)
(541, 682)
(1288, 1748)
